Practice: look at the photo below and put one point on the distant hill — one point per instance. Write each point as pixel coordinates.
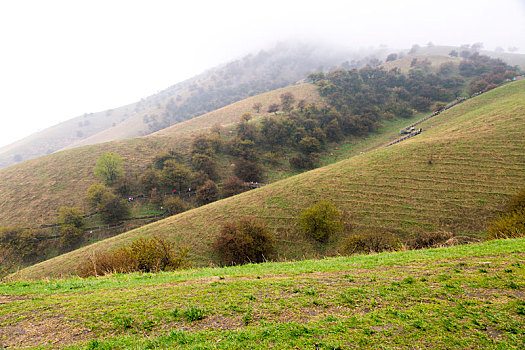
(405, 63)
(218, 87)
(453, 177)
(32, 192)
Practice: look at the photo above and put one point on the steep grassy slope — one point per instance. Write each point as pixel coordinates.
(453, 177)
(464, 297)
(32, 192)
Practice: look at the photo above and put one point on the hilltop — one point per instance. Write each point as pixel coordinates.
(465, 164)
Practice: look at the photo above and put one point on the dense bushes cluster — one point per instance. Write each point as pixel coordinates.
(144, 255)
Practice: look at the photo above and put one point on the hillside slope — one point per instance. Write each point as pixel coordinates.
(32, 192)
(463, 297)
(268, 70)
(453, 177)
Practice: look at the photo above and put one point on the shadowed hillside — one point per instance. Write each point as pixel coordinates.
(453, 177)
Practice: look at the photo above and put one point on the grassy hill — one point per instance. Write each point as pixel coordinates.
(463, 297)
(453, 177)
(32, 192)
(404, 63)
(220, 86)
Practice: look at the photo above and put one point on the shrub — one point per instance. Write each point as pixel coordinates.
(247, 170)
(371, 242)
(304, 161)
(112, 209)
(429, 239)
(174, 205)
(71, 216)
(94, 195)
(232, 186)
(511, 223)
(320, 221)
(69, 236)
(207, 193)
(244, 241)
(145, 255)
(517, 202)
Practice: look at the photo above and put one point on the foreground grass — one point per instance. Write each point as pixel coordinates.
(460, 297)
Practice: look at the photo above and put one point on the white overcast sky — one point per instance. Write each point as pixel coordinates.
(60, 59)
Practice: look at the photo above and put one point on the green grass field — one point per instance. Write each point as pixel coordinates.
(469, 296)
(454, 177)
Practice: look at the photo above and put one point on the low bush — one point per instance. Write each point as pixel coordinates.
(207, 193)
(244, 241)
(320, 221)
(511, 223)
(145, 255)
(371, 242)
(429, 239)
(174, 205)
(232, 186)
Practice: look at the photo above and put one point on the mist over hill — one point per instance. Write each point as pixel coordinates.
(266, 70)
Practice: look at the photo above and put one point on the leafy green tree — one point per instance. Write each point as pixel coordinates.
(150, 179)
(109, 167)
(71, 216)
(175, 175)
(309, 145)
(320, 221)
(206, 164)
(333, 131)
(202, 144)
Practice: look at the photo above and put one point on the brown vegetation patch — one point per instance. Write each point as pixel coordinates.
(50, 331)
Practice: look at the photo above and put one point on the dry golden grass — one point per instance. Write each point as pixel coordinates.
(404, 63)
(230, 114)
(453, 177)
